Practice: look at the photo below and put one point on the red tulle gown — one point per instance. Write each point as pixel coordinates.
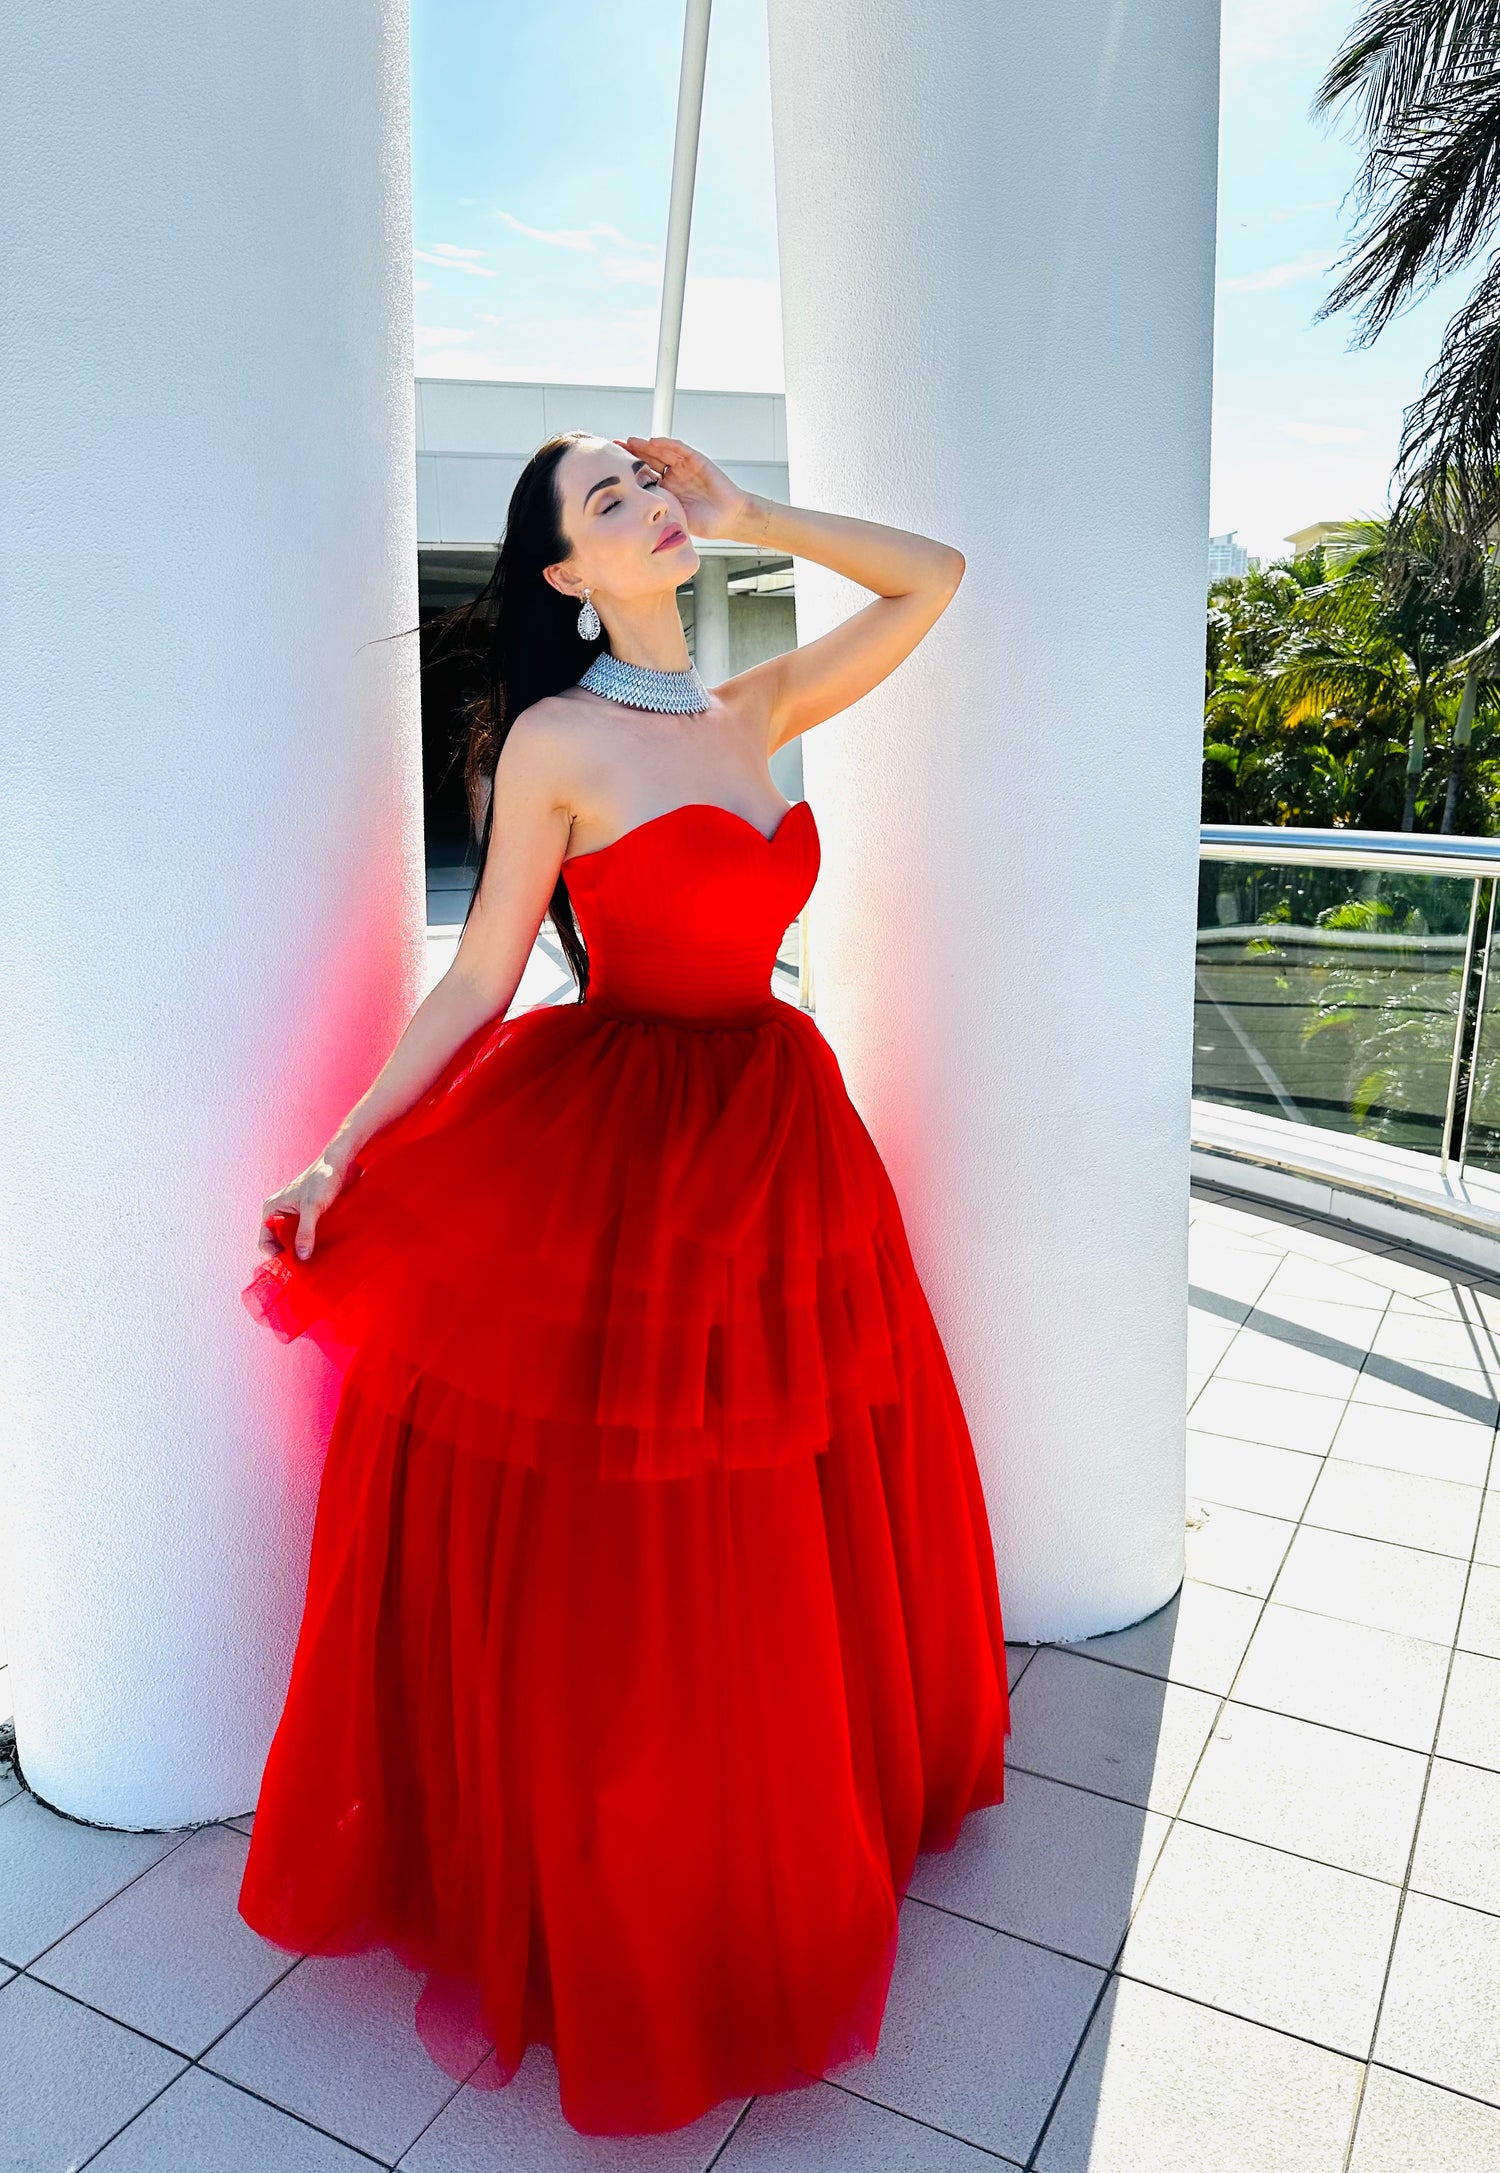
(652, 1623)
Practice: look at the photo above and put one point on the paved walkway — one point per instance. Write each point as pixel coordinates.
(1240, 1912)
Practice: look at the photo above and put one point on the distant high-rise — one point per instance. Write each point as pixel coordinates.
(1227, 560)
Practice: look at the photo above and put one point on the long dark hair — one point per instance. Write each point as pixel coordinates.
(521, 636)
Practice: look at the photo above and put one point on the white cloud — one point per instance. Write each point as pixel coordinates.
(1276, 275)
(1325, 433)
(584, 238)
(453, 259)
(622, 260)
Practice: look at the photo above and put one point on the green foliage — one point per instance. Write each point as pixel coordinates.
(1333, 686)
(1357, 913)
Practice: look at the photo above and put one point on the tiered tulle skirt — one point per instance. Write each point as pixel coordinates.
(652, 1623)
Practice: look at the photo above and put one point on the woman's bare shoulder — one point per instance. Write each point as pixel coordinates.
(556, 743)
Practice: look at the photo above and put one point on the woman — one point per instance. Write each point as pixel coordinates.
(652, 1623)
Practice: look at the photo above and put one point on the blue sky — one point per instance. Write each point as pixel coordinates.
(542, 155)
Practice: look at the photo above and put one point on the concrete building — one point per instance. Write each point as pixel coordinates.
(1227, 560)
(1307, 539)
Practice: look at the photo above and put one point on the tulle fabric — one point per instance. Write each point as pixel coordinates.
(652, 1624)
(643, 1253)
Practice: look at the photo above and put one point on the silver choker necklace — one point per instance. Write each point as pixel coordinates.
(642, 688)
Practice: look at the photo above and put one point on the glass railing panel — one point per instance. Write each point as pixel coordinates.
(1330, 996)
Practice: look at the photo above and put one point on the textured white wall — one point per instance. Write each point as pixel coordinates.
(211, 898)
(997, 239)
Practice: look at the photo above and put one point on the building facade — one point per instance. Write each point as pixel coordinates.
(1227, 560)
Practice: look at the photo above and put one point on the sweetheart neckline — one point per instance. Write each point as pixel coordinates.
(688, 807)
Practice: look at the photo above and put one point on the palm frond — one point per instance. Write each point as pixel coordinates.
(1429, 196)
(1448, 461)
(1309, 686)
(1399, 54)
(1352, 603)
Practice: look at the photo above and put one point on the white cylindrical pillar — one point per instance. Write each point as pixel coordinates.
(211, 885)
(711, 618)
(997, 247)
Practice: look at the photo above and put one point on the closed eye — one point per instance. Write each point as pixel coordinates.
(648, 482)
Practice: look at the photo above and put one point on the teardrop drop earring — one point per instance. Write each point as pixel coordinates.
(588, 620)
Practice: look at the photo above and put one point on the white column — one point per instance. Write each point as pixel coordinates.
(210, 833)
(997, 245)
(711, 619)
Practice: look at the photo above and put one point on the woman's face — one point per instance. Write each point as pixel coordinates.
(629, 537)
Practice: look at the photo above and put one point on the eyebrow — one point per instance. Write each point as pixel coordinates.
(605, 480)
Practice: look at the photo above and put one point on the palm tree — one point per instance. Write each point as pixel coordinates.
(1344, 657)
(1426, 74)
(1331, 675)
(1391, 589)
(1309, 700)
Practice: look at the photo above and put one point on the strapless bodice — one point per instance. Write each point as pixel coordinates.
(684, 914)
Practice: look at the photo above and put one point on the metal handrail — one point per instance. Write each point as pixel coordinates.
(1420, 851)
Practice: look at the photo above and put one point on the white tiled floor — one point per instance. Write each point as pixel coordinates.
(1240, 1912)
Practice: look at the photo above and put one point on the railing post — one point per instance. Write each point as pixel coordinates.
(1476, 1038)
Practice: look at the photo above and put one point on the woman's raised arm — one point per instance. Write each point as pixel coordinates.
(913, 576)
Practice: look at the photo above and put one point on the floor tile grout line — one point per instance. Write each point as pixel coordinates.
(932, 2127)
(1411, 1855)
(1465, 2097)
(1337, 1531)
(1265, 1598)
(1022, 1939)
(1209, 1734)
(199, 2059)
(27, 1794)
(1100, 1996)
(1268, 1598)
(1297, 1856)
(1431, 1753)
(1240, 2014)
(1113, 1973)
(189, 2063)
(1389, 1370)
(734, 2128)
(1250, 1705)
(1360, 1403)
(459, 2086)
(1427, 1302)
(1445, 1554)
(1118, 1975)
